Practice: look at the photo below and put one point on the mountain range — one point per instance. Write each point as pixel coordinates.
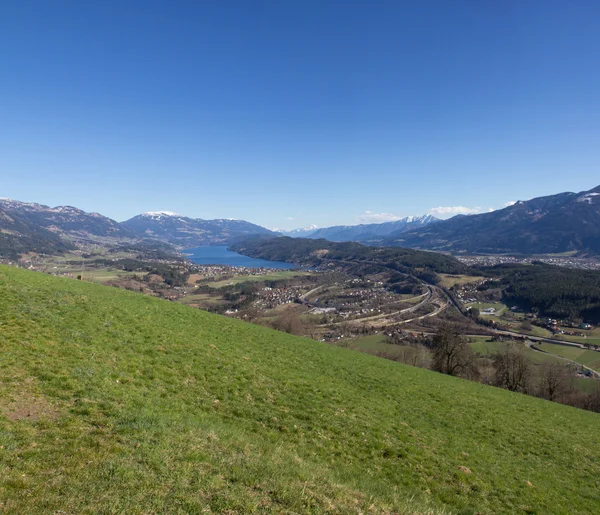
(366, 232)
(192, 232)
(566, 222)
(29, 227)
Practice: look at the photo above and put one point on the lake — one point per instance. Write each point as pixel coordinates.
(219, 255)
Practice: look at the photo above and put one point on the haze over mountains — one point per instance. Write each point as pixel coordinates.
(566, 222)
(368, 232)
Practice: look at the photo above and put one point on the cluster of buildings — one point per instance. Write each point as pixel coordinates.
(563, 326)
(269, 298)
(217, 271)
(564, 261)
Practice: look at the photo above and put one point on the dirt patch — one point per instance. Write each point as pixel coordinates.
(153, 278)
(27, 406)
(193, 278)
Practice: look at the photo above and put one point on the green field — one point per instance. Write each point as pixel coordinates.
(590, 338)
(104, 275)
(372, 344)
(448, 280)
(116, 402)
(486, 347)
(588, 358)
(199, 298)
(275, 276)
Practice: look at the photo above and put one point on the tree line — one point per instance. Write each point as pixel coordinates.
(449, 352)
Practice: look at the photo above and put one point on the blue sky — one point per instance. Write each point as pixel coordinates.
(297, 112)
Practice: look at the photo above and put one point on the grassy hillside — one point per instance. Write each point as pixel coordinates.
(113, 402)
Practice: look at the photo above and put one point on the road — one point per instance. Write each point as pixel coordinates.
(451, 301)
(427, 295)
(303, 298)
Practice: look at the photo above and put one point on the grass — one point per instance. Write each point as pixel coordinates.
(104, 275)
(373, 344)
(580, 339)
(275, 276)
(115, 402)
(200, 298)
(588, 358)
(448, 280)
(486, 347)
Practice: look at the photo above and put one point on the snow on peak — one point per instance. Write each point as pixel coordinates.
(588, 197)
(159, 213)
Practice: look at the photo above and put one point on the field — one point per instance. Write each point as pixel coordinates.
(274, 276)
(373, 344)
(448, 280)
(591, 337)
(199, 299)
(486, 347)
(115, 402)
(588, 358)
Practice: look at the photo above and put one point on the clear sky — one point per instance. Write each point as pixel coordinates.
(288, 113)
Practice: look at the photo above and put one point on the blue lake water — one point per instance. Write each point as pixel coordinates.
(217, 255)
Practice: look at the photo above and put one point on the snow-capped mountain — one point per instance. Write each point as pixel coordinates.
(304, 232)
(553, 224)
(67, 221)
(191, 232)
(29, 227)
(364, 232)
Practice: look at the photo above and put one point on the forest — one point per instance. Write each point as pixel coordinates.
(552, 291)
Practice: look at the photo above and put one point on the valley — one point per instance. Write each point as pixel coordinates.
(527, 324)
(344, 300)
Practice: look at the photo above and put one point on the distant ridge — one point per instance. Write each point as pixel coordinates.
(565, 222)
(191, 232)
(363, 232)
(27, 227)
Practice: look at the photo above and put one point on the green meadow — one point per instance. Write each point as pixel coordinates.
(115, 402)
(589, 358)
(273, 276)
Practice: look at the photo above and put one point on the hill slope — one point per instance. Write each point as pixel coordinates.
(66, 221)
(552, 224)
(113, 402)
(311, 252)
(19, 236)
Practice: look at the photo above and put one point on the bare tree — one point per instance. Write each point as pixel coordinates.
(554, 381)
(513, 368)
(592, 400)
(452, 354)
(289, 322)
